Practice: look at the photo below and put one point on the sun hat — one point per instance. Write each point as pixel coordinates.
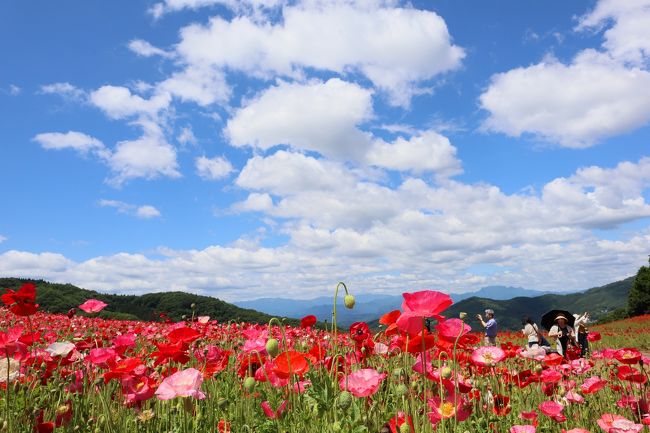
(560, 316)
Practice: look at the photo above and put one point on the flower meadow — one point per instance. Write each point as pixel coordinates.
(73, 373)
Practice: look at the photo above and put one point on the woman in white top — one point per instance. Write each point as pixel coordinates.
(531, 332)
(562, 333)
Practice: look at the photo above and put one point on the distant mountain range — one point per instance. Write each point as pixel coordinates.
(368, 306)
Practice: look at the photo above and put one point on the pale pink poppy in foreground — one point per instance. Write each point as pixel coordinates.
(522, 429)
(362, 383)
(186, 383)
(612, 423)
(488, 356)
(93, 306)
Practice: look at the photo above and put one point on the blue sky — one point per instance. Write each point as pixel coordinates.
(238, 148)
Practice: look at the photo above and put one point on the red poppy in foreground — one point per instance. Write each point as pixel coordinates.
(308, 321)
(23, 301)
(628, 355)
(290, 362)
(93, 306)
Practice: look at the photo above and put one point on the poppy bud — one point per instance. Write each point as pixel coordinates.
(401, 389)
(193, 306)
(405, 428)
(349, 301)
(345, 400)
(222, 402)
(462, 315)
(445, 372)
(249, 383)
(272, 347)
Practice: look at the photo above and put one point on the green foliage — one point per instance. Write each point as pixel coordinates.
(618, 314)
(639, 298)
(59, 298)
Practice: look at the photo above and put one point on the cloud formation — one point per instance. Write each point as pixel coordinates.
(599, 94)
(143, 211)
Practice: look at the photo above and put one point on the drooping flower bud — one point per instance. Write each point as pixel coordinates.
(349, 301)
(272, 347)
(249, 383)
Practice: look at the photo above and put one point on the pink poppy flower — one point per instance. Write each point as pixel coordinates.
(448, 408)
(273, 414)
(592, 385)
(420, 305)
(522, 429)
(487, 356)
(362, 383)
(186, 383)
(93, 306)
(101, 356)
(551, 376)
(576, 430)
(551, 408)
(574, 397)
(452, 329)
(612, 423)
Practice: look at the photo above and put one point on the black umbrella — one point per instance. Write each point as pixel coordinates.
(548, 319)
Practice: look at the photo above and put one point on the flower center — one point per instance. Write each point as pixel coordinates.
(447, 410)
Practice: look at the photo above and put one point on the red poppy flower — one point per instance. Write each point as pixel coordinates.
(501, 405)
(631, 374)
(592, 385)
(628, 355)
(419, 343)
(290, 362)
(308, 321)
(389, 318)
(359, 331)
(183, 335)
(23, 301)
(396, 422)
(594, 336)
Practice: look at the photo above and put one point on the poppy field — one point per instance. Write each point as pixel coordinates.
(78, 373)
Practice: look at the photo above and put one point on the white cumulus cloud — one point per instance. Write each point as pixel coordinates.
(143, 211)
(74, 140)
(396, 48)
(213, 168)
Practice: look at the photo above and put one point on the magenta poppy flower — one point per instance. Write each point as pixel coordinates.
(487, 356)
(551, 376)
(362, 383)
(93, 306)
(523, 429)
(186, 383)
(420, 305)
(452, 329)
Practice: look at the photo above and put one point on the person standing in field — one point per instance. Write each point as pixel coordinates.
(563, 335)
(581, 332)
(490, 326)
